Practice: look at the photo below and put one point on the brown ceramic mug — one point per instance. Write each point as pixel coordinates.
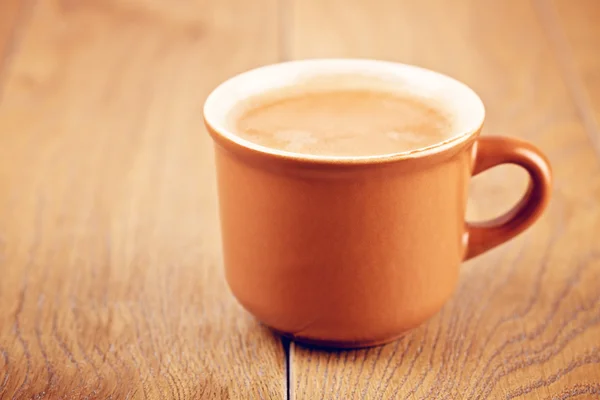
(354, 251)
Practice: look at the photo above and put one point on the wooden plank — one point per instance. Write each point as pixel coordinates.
(573, 28)
(111, 281)
(10, 10)
(525, 319)
(12, 15)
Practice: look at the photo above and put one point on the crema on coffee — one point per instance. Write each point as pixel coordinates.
(345, 122)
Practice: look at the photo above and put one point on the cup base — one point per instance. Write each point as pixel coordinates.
(336, 344)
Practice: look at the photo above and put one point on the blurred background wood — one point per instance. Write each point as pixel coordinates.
(10, 13)
(525, 320)
(111, 283)
(573, 27)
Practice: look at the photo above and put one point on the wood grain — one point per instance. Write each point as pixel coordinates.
(111, 284)
(573, 28)
(525, 319)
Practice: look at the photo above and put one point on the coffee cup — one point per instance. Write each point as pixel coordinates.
(353, 250)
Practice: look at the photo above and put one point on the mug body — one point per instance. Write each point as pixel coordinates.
(342, 256)
(343, 251)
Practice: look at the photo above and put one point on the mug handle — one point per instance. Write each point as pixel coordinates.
(491, 151)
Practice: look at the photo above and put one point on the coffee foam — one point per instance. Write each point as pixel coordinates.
(341, 122)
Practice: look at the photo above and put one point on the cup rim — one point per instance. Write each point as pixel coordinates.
(215, 114)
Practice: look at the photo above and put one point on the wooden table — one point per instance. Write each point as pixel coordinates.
(111, 284)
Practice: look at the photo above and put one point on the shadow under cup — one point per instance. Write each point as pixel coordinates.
(352, 251)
